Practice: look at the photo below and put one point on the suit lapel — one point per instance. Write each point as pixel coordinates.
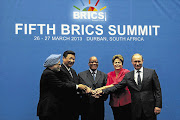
(145, 76)
(98, 75)
(90, 77)
(135, 85)
(63, 68)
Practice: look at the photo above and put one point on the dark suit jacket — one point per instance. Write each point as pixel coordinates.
(52, 96)
(145, 98)
(75, 77)
(93, 108)
(68, 77)
(72, 96)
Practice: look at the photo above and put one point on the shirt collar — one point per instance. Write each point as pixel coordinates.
(141, 69)
(92, 71)
(66, 67)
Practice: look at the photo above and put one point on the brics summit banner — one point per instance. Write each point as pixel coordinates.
(31, 30)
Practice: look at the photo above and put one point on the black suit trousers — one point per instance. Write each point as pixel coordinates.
(94, 111)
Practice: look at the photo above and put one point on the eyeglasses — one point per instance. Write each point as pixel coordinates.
(93, 62)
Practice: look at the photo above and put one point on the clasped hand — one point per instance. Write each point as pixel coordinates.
(94, 93)
(97, 93)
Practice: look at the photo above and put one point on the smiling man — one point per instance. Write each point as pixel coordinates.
(72, 97)
(47, 107)
(93, 109)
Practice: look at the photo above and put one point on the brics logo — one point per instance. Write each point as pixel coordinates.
(89, 13)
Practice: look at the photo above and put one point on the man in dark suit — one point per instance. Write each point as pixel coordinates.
(145, 90)
(73, 97)
(53, 87)
(93, 109)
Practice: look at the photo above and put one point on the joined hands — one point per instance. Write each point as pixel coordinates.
(97, 93)
(94, 93)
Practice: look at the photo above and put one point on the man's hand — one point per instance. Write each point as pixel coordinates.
(88, 90)
(84, 88)
(97, 93)
(157, 110)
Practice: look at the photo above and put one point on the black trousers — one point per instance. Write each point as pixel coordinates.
(143, 117)
(94, 111)
(122, 112)
(49, 118)
(59, 118)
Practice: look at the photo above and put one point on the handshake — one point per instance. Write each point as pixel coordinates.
(94, 93)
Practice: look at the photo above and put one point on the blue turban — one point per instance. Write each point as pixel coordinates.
(52, 60)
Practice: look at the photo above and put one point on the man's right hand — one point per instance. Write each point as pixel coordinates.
(84, 88)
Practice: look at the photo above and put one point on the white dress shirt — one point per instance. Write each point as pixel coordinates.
(136, 75)
(95, 72)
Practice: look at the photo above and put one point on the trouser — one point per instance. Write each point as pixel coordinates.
(93, 111)
(49, 118)
(122, 112)
(144, 117)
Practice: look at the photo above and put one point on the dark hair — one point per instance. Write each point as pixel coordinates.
(120, 57)
(65, 54)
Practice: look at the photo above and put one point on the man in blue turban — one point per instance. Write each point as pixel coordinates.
(53, 62)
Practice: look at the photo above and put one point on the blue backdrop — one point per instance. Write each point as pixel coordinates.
(23, 55)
